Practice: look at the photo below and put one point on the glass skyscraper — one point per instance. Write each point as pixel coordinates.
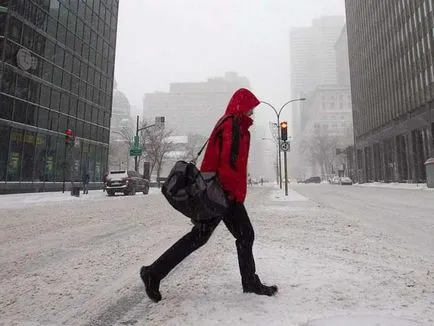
(56, 73)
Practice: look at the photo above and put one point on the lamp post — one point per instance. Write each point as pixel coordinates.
(278, 130)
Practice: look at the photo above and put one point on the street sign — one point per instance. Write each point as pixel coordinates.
(284, 146)
(136, 151)
(136, 141)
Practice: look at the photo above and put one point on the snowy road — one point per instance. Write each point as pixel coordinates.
(333, 251)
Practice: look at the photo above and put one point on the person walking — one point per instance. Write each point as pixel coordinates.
(86, 179)
(226, 154)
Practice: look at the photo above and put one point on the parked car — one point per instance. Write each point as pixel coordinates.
(313, 180)
(127, 182)
(335, 180)
(345, 181)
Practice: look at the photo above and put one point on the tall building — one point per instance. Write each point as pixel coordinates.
(193, 108)
(391, 55)
(313, 63)
(329, 126)
(56, 73)
(312, 54)
(342, 60)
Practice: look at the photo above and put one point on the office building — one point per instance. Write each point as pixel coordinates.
(193, 108)
(391, 56)
(56, 73)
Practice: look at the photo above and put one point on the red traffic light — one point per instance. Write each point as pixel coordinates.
(284, 130)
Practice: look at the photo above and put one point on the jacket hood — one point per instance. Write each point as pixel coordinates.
(241, 102)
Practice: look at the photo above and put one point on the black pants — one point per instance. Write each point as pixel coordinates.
(238, 223)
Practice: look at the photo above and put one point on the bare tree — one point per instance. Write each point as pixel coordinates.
(153, 140)
(195, 143)
(320, 150)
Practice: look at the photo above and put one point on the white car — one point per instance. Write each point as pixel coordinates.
(345, 181)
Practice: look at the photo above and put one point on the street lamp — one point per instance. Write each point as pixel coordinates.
(278, 130)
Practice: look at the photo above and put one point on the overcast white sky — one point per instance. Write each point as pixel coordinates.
(164, 41)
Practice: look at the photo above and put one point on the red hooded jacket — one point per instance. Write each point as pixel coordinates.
(227, 151)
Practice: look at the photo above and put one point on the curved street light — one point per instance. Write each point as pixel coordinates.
(278, 129)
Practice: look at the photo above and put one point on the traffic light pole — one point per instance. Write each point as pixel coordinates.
(136, 159)
(280, 152)
(278, 130)
(286, 172)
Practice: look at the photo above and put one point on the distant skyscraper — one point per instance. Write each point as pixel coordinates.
(193, 108)
(342, 60)
(391, 55)
(313, 60)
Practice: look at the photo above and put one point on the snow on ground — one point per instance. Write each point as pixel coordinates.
(396, 185)
(333, 266)
(16, 201)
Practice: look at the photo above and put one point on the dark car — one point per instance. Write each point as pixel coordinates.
(127, 182)
(313, 180)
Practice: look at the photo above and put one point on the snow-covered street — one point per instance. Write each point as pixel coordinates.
(349, 255)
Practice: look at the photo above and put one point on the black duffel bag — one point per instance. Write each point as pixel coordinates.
(197, 195)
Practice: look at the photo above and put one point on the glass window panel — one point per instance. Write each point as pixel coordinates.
(45, 95)
(22, 87)
(72, 123)
(86, 131)
(61, 33)
(70, 40)
(32, 115)
(55, 100)
(75, 82)
(86, 34)
(88, 113)
(47, 71)
(4, 149)
(28, 37)
(71, 21)
(68, 61)
(43, 118)
(78, 47)
(61, 163)
(57, 76)
(20, 111)
(15, 29)
(40, 158)
(63, 123)
(29, 147)
(15, 154)
(59, 56)
(8, 81)
(66, 82)
(80, 110)
(53, 121)
(80, 124)
(64, 103)
(51, 27)
(6, 105)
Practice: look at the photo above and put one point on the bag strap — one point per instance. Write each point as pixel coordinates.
(194, 160)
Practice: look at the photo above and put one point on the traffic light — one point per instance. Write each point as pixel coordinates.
(69, 137)
(284, 131)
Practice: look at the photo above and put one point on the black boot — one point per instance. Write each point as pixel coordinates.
(152, 284)
(257, 287)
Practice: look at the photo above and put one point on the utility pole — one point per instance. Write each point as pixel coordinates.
(278, 130)
(136, 151)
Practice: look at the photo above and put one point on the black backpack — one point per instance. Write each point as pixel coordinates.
(197, 195)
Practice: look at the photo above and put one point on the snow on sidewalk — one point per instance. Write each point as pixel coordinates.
(17, 201)
(396, 185)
